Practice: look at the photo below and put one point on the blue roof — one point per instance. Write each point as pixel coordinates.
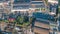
(21, 1)
(7, 32)
(1, 0)
(41, 21)
(44, 16)
(37, 2)
(59, 29)
(59, 18)
(4, 0)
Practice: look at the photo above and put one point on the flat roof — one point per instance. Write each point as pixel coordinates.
(4, 0)
(53, 1)
(21, 7)
(42, 25)
(41, 31)
(36, 0)
(21, 1)
(20, 10)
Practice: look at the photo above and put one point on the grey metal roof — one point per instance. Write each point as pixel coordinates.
(21, 7)
(38, 6)
(4, 0)
(36, 0)
(21, 1)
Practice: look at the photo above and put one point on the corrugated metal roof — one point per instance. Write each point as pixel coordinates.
(4, 0)
(38, 4)
(21, 7)
(21, 1)
(37, 0)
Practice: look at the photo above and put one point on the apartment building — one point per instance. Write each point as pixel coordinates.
(21, 4)
(54, 9)
(1, 11)
(4, 8)
(59, 16)
(44, 21)
(41, 28)
(38, 5)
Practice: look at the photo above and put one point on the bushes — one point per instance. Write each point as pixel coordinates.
(22, 21)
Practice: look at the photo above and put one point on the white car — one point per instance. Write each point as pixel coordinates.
(20, 32)
(18, 28)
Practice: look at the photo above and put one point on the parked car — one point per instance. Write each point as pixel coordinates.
(18, 28)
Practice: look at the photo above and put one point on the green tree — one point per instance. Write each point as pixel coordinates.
(32, 19)
(5, 21)
(20, 20)
(59, 10)
(46, 1)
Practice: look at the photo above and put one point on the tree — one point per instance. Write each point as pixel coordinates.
(20, 20)
(32, 19)
(26, 18)
(46, 1)
(59, 10)
(6, 21)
